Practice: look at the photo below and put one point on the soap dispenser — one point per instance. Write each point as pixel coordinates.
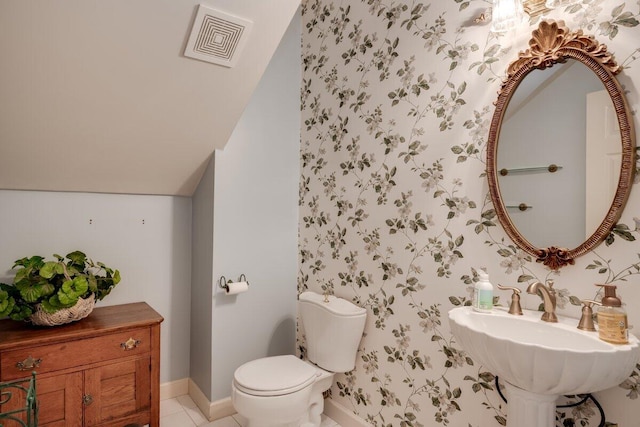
(483, 293)
(612, 318)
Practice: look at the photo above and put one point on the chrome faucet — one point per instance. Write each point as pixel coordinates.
(548, 295)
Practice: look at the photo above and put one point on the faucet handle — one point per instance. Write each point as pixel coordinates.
(515, 307)
(586, 321)
(550, 284)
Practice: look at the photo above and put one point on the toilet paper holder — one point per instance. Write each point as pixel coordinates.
(224, 283)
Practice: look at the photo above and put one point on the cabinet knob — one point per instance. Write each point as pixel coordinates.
(87, 399)
(28, 363)
(130, 344)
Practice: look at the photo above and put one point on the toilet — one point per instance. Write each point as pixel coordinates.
(285, 391)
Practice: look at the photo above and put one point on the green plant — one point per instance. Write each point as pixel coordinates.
(54, 284)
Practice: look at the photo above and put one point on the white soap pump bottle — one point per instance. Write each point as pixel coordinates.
(483, 293)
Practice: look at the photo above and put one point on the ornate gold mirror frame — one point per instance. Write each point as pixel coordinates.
(552, 43)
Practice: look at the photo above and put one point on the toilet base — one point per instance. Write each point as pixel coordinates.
(316, 403)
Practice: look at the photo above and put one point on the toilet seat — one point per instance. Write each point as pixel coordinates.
(274, 376)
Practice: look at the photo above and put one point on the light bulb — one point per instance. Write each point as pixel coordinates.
(506, 15)
(560, 3)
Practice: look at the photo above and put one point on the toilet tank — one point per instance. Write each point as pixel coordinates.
(333, 330)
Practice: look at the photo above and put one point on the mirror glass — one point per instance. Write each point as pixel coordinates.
(561, 116)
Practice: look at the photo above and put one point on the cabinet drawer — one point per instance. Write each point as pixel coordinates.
(71, 354)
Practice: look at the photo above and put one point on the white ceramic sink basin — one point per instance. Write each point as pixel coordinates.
(541, 357)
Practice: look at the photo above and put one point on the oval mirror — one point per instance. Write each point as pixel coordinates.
(561, 149)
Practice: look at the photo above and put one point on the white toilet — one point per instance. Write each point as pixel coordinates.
(285, 391)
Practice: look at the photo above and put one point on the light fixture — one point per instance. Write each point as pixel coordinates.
(506, 15)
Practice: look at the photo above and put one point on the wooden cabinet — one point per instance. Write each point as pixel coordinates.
(101, 371)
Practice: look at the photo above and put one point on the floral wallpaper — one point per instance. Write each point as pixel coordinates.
(397, 97)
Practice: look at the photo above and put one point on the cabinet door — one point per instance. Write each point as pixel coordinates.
(59, 400)
(117, 391)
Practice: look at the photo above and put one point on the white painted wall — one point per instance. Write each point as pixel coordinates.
(256, 221)
(108, 79)
(249, 202)
(153, 257)
(201, 280)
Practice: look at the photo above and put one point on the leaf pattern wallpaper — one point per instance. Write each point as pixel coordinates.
(395, 215)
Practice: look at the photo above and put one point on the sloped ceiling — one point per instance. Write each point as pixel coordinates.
(97, 96)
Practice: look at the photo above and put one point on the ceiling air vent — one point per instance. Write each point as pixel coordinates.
(217, 37)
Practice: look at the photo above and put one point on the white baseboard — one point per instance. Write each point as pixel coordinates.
(342, 415)
(174, 389)
(211, 410)
(221, 409)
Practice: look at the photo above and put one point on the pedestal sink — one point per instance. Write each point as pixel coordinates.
(539, 361)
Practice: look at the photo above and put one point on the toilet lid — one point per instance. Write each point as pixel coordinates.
(274, 376)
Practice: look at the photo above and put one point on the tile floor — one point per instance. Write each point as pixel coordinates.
(183, 412)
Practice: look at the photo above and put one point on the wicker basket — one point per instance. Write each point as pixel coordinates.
(82, 309)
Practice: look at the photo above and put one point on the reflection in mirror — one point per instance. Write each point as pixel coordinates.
(540, 121)
(546, 123)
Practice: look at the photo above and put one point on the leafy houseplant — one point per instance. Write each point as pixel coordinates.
(52, 286)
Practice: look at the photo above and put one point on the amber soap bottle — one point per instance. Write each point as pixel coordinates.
(612, 318)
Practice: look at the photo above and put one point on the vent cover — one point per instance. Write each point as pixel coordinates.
(217, 37)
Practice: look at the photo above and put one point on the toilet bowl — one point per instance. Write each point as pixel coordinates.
(280, 391)
(285, 391)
